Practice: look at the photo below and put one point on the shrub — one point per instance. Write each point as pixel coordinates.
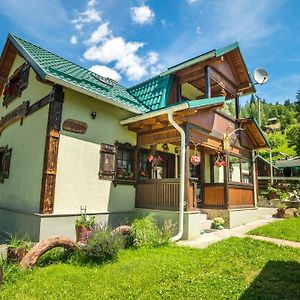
(147, 234)
(218, 223)
(103, 244)
(86, 221)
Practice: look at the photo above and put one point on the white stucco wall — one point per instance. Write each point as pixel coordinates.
(77, 180)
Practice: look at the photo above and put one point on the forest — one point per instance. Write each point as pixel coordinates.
(280, 122)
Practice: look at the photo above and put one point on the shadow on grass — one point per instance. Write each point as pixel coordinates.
(277, 280)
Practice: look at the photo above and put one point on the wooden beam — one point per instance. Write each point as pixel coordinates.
(51, 151)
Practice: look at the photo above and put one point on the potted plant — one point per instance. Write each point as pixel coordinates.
(18, 246)
(272, 193)
(218, 223)
(84, 226)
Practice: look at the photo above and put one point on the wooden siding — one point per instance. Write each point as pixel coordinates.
(240, 196)
(214, 195)
(158, 194)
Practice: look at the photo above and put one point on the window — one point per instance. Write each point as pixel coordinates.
(234, 169)
(5, 155)
(16, 84)
(145, 165)
(239, 169)
(125, 162)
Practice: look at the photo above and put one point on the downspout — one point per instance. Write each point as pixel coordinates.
(254, 157)
(181, 183)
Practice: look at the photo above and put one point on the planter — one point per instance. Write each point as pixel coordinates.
(16, 254)
(82, 233)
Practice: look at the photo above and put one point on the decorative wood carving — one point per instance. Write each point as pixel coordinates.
(18, 113)
(75, 126)
(51, 150)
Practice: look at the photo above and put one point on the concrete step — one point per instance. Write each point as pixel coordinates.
(203, 225)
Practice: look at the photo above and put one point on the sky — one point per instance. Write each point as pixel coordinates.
(133, 40)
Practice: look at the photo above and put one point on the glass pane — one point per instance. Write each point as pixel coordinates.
(246, 171)
(218, 174)
(207, 168)
(234, 169)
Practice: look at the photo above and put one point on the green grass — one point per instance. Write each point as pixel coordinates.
(231, 269)
(288, 229)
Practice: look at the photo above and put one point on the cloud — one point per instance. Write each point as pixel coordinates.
(73, 40)
(142, 14)
(90, 15)
(106, 72)
(99, 34)
(191, 2)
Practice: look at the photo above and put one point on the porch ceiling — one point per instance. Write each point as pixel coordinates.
(255, 133)
(157, 120)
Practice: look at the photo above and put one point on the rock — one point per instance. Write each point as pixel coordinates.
(3, 252)
(289, 212)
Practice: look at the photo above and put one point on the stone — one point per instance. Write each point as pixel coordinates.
(289, 212)
(3, 252)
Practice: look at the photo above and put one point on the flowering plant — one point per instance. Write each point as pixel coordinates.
(195, 160)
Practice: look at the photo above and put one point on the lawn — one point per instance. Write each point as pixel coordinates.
(231, 269)
(288, 229)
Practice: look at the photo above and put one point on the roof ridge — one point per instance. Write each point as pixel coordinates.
(58, 56)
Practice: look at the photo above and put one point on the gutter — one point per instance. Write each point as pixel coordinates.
(182, 181)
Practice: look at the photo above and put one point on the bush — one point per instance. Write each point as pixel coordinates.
(147, 234)
(103, 244)
(218, 223)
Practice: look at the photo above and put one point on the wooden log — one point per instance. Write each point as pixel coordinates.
(40, 248)
(124, 230)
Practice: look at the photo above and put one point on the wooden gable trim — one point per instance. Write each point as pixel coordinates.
(51, 150)
(6, 61)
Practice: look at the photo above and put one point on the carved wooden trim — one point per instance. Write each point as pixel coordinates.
(75, 126)
(15, 115)
(51, 150)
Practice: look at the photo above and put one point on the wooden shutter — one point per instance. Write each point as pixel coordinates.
(6, 162)
(107, 162)
(24, 77)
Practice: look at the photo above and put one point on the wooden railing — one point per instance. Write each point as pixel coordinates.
(158, 194)
(240, 195)
(213, 195)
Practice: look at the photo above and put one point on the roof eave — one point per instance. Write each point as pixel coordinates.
(93, 95)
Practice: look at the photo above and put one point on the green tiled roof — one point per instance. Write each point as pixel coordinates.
(45, 63)
(154, 92)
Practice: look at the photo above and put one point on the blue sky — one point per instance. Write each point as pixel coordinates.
(134, 40)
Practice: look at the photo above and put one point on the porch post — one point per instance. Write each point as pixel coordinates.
(226, 178)
(237, 107)
(207, 71)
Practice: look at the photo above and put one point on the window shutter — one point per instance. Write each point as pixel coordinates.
(6, 162)
(24, 77)
(107, 162)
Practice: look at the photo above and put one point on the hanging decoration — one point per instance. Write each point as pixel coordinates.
(220, 161)
(155, 159)
(195, 159)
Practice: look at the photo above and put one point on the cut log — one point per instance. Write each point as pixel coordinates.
(1, 275)
(32, 257)
(124, 230)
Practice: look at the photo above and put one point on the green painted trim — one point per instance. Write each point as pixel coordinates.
(206, 102)
(189, 62)
(226, 49)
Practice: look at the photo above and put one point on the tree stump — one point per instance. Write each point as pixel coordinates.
(124, 230)
(32, 257)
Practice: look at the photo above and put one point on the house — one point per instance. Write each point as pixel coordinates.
(73, 140)
(289, 167)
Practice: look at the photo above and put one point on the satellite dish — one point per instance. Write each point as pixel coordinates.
(260, 75)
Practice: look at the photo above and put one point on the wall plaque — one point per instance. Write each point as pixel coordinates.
(75, 126)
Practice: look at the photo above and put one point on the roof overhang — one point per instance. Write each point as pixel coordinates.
(255, 133)
(158, 119)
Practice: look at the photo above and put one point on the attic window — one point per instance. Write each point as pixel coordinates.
(16, 84)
